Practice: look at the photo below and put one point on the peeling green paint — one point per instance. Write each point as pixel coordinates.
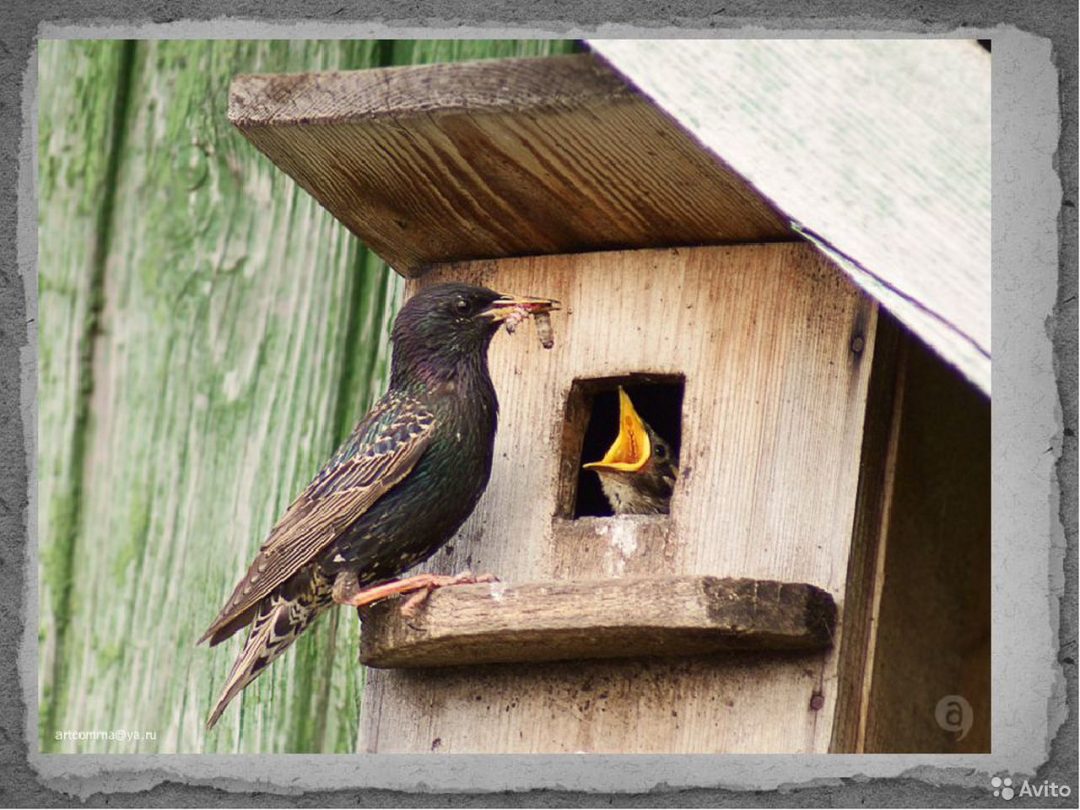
(208, 334)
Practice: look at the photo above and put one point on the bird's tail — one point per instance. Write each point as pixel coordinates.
(279, 622)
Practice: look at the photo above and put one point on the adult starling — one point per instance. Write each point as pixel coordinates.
(396, 490)
(637, 474)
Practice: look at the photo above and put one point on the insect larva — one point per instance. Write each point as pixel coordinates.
(543, 329)
(518, 315)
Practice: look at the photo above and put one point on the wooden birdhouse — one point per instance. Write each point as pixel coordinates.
(792, 296)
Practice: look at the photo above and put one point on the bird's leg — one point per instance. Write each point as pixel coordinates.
(347, 591)
(346, 587)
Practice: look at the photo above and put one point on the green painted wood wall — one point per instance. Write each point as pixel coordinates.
(207, 334)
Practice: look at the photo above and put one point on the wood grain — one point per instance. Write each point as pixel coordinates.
(865, 580)
(776, 348)
(576, 620)
(933, 629)
(917, 617)
(212, 394)
(207, 335)
(499, 158)
(879, 150)
(78, 119)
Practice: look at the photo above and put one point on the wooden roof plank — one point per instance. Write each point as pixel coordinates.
(496, 158)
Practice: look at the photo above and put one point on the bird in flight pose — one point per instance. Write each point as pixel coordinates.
(637, 474)
(398, 488)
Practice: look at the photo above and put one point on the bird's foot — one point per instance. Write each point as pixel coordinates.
(413, 603)
(420, 586)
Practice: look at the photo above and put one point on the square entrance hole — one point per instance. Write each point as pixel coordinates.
(592, 423)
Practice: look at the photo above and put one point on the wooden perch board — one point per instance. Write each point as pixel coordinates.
(497, 158)
(565, 620)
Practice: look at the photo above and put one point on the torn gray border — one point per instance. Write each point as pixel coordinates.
(1034, 686)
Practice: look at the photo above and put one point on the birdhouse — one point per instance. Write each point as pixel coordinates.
(789, 289)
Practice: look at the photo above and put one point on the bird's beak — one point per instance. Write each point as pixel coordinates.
(632, 447)
(508, 306)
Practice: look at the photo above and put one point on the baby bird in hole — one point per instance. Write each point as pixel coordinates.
(637, 474)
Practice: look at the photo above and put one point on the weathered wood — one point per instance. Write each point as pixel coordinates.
(932, 641)
(214, 390)
(207, 334)
(611, 618)
(922, 529)
(223, 367)
(776, 346)
(880, 150)
(862, 601)
(499, 158)
(78, 110)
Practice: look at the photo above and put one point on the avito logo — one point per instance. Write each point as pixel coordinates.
(1003, 788)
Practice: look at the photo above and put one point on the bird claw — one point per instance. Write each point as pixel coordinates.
(413, 603)
(420, 586)
(467, 577)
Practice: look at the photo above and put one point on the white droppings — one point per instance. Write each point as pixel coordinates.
(624, 537)
(622, 544)
(497, 589)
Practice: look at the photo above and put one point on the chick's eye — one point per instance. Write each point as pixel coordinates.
(462, 306)
(660, 451)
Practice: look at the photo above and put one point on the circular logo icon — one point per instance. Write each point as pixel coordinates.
(953, 714)
(1003, 787)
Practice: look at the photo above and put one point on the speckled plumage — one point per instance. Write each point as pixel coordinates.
(397, 489)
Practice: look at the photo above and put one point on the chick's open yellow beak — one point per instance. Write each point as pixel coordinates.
(632, 447)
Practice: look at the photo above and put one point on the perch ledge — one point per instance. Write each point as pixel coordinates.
(613, 618)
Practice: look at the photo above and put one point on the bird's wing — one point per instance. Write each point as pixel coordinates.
(381, 452)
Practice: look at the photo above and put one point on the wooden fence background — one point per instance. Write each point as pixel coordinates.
(207, 334)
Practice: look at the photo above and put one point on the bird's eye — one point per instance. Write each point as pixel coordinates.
(660, 451)
(462, 306)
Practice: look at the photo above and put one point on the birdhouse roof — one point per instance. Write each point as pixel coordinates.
(878, 152)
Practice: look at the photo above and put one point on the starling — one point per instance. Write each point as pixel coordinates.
(638, 471)
(397, 489)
